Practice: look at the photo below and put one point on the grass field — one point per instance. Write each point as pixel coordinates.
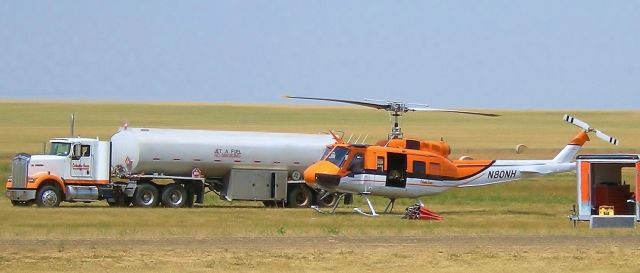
(520, 226)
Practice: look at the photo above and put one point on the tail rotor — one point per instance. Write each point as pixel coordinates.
(584, 126)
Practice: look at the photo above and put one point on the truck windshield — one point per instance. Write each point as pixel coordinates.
(337, 156)
(61, 149)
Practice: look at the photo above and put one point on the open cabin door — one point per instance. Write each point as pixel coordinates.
(396, 170)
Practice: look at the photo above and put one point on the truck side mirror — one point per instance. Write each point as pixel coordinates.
(77, 152)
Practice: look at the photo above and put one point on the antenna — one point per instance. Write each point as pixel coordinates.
(357, 139)
(349, 140)
(365, 138)
(395, 109)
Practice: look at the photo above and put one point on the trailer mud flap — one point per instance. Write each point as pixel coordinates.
(198, 188)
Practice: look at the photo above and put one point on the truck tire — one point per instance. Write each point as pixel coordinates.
(174, 196)
(328, 201)
(146, 196)
(299, 196)
(48, 196)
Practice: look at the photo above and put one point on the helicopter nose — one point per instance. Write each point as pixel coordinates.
(322, 173)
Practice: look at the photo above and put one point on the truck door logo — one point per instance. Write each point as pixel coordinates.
(80, 166)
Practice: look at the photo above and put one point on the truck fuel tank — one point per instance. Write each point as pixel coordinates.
(177, 152)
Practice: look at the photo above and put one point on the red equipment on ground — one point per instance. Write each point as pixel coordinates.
(419, 212)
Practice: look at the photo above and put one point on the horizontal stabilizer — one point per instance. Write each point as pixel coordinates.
(535, 172)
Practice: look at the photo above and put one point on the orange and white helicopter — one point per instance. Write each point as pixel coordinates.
(409, 168)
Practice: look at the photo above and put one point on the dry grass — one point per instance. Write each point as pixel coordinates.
(328, 254)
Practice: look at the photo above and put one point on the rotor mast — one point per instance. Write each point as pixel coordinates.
(396, 110)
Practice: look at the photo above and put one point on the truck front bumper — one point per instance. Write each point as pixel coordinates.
(21, 195)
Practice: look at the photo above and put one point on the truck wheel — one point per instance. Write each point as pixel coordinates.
(146, 196)
(174, 196)
(299, 197)
(48, 196)
(328, 201)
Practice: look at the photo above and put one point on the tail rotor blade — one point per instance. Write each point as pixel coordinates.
(607, 138)
(577, 122)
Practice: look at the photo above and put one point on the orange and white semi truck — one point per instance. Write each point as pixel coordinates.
(170, 167)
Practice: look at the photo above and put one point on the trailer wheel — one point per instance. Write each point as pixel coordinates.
(146, 196)
(174, 196)
(328, 201)
(48, 196)
(299, 197)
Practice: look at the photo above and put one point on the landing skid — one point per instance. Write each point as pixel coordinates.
(373, 211)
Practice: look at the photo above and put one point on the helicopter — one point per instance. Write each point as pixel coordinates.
(401, 167)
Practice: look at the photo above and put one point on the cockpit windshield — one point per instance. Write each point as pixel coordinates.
(59, 148)
(336, 156)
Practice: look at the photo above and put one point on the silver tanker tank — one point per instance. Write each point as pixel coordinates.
(176, 152)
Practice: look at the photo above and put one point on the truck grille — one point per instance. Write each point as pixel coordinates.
(19, 170)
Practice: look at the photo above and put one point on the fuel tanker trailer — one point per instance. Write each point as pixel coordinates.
(171, 167)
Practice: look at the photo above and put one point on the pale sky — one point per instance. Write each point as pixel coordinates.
(448, 54)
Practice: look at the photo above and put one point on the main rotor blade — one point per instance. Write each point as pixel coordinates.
(606, 138)
(366, 104)
(453, 111)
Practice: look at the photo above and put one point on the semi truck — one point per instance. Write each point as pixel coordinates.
(148, 167)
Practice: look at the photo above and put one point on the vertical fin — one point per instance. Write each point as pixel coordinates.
(569, 152)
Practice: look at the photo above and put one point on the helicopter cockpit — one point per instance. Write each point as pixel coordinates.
(336, 155)
(348, 159)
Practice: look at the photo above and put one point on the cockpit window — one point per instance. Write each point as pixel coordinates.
(61, 149)
(336, 156)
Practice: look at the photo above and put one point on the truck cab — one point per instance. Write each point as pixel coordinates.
(72, 170)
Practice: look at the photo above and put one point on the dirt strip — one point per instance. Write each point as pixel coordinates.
(435, 242)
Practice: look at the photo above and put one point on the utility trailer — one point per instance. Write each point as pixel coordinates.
(607, 190)
(175, 168)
